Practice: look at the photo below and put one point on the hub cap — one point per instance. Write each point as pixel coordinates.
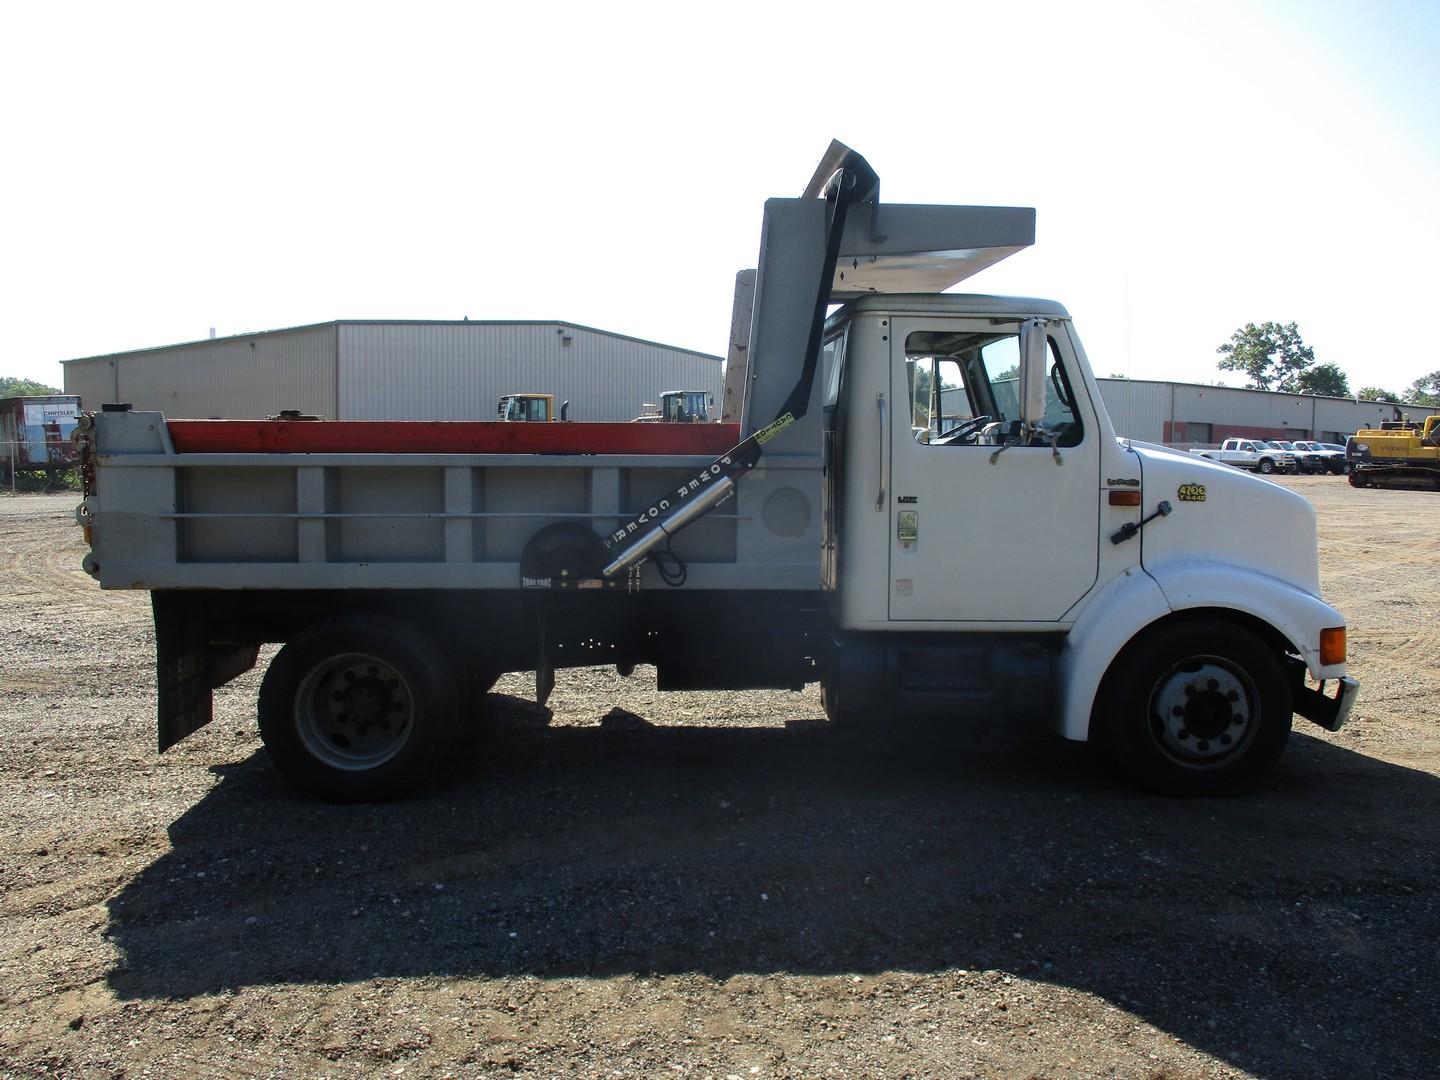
(354, 712)
(1204, 712)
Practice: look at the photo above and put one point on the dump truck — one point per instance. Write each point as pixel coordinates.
(1020, 563)
(1398, 454)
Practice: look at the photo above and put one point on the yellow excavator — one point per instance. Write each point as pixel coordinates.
(1397, 454)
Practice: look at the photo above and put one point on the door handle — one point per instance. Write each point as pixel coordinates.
(880, 498)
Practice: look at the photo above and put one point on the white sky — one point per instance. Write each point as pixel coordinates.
(1195, 166)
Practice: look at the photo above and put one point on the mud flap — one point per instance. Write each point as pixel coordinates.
(188, 666)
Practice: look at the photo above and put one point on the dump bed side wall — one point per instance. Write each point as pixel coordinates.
(164, 519)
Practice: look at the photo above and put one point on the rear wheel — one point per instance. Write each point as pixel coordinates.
(357, 709)
(1199, 707)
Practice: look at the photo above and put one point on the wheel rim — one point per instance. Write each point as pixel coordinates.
(354, 712)
(1204, 712)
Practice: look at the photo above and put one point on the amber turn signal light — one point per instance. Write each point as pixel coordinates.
(1124, 498)
(1332, 645)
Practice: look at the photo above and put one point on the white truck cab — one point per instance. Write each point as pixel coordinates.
(963, 538)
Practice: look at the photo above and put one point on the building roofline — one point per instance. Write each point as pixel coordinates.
(38, 397)
(1273, 393)
(561, 323)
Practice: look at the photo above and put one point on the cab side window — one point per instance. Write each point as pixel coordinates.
(1002, 365)
(964, 389)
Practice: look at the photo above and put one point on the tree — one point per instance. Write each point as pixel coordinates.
(13, 386)
(1324, 380)
(1374, 393)
(1273, 357)
(1424, 390)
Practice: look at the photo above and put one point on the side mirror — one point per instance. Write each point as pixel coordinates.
(1034, 360)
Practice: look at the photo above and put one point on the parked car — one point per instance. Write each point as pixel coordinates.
(1305, 462)
(1332, 457)
(1250, 454)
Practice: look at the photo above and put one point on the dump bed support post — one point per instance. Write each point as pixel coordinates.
(544, 662)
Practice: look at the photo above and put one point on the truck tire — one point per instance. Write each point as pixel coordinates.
(1196, 707)
(357, 709)
(848, 718)
(1265, 465)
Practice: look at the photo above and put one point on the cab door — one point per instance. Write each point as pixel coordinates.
(982, 531)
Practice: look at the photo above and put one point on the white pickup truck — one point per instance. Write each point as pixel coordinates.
(1251, 454)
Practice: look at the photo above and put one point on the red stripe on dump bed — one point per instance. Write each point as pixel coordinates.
(446, 437)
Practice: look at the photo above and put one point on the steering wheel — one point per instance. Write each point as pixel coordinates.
(962, 432)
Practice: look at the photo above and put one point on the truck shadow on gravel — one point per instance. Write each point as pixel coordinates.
(1291, 930)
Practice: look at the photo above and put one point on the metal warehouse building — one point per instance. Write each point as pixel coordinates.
(369, 370)
(1190, 414)
(380, 370)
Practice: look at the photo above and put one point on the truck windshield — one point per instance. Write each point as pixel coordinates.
(687, 406)
(523, 408)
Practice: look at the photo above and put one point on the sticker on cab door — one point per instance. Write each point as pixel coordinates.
(907, 526)
(1191, 492)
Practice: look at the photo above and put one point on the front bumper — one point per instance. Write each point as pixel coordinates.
(1315, 705)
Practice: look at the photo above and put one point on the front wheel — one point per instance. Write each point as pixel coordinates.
(357, 709)
(1199, 707)
(851, 717)
(1266, 466)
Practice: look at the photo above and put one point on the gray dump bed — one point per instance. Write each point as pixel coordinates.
(162, 518)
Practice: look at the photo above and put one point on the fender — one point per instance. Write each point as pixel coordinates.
(1110, 619)
(1297, 615)
(1139, 598)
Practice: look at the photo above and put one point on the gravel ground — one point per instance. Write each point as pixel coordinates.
(632, 884)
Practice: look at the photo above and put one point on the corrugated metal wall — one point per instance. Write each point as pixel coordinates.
(1137, 409)
(248, 376)
(92, 381)
(457, 371)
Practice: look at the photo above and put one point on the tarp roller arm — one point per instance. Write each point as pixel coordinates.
(843, 178)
